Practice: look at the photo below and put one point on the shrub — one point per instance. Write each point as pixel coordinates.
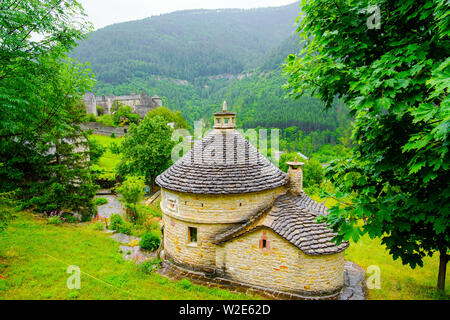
(145, 211)
(90, 117)
(55, 220)
(151, 225)
(155, 227)
(69, 218)
(98, 226)
(114, 147)
(116, 221)
(112, 135)
(149, 241)
(125, 228)
(72, 219)
(121, 226)
(75, 192)
(169, 116)
(132, 190)
(101, 201)
(106, 120)
(124, 115)
(100, 110)
(150, 265)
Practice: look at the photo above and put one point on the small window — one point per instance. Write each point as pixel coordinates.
(192, 233)
(226, 120)
(264, 242)
(172, 204)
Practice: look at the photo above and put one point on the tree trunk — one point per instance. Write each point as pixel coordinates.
(443, 258)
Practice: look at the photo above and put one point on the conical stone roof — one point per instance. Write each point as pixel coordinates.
(223, 162)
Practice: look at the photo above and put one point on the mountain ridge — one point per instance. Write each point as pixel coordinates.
(186, 46)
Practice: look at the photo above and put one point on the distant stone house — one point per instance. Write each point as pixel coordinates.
(229, 213)
(140, 103)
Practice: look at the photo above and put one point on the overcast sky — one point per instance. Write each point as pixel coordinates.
(105, 12)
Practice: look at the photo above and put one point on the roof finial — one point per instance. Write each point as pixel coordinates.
(224, 107)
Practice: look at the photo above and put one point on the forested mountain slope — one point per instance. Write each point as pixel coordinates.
(187, 44)
(196, 59)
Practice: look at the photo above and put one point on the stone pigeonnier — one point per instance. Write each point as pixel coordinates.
(230, 213)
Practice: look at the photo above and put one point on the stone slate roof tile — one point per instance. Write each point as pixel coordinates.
(293, 217)
(223, 162)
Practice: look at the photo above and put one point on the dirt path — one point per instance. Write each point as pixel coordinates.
(113, 206)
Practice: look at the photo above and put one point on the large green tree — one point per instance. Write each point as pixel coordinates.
(33, 35)
(146, 149)
(124, 115)
(174, 117)
(132, 191)
(43, 151)
(389, 62)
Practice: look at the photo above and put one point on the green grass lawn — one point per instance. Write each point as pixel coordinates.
(108, 161)
(34, 257)
(398, 281)
(106, 140)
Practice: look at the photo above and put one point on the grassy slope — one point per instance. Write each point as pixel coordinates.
(109, 160)
(34, 257)
(398, 281)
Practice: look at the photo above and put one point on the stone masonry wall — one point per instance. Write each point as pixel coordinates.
(140, 103)
(281, 266)
(229, 208)
(200, 256)
(99, 128)
(211, 215)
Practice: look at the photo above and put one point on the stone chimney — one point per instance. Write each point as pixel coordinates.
(295, 174)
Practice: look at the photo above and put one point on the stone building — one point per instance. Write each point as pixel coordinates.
(228, 212)
(140, 103)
